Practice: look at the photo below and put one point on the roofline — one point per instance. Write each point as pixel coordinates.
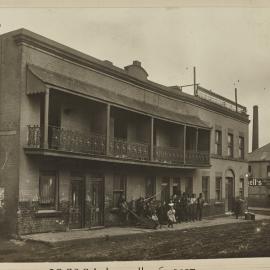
(25, 37)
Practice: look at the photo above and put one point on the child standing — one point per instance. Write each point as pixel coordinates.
(171, 216)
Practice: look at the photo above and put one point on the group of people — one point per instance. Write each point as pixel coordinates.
(180, 208)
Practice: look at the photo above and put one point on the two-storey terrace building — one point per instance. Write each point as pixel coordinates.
(77, 132)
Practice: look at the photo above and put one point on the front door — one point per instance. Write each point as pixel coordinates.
(165, 190)
(95, 202)
(76, 207)
(229, 194)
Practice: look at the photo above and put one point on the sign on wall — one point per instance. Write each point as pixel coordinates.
(258, 181)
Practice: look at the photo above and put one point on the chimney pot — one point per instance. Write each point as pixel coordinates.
(137, 63)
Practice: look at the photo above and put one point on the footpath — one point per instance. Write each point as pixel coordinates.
(57, 237)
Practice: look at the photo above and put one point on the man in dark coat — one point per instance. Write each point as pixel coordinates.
(200, 202)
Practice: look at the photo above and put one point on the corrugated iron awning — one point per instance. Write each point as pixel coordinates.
(38, 79)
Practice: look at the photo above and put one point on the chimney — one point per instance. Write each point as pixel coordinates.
(255, 133)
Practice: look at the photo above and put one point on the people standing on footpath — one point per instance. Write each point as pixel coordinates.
(200, 202)
(193, 207)
(123, 210)
(238, 207)
(171, 216)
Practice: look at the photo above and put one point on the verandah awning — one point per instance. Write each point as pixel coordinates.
(38, 79)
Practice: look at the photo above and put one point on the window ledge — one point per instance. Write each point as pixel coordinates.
(206, 204)
(47, 213)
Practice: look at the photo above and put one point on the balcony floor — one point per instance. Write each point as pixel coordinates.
(109, 159)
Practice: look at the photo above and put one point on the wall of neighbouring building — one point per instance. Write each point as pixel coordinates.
(10, 95)
(259, 196)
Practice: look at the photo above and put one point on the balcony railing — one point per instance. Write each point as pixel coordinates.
(168, 154)
(73, 141)
(134, 150)
(33, 139)
(95, 144)
(68, 140)
(199, 157)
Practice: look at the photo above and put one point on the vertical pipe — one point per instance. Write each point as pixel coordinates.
(194, 81)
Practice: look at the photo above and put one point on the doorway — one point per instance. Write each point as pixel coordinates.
(95, 202)
(229, 194)
(76, 218)
(165, 189)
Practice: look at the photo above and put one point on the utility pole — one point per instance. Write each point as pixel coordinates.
(236, 104)
(194, 81)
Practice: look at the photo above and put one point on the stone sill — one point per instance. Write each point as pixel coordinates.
(47, 213)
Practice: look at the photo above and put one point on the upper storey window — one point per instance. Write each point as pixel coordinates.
(241, 147)
(230, 145)
(218, 142)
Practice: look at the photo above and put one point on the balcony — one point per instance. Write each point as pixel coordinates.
(65, 140)
(166, 154)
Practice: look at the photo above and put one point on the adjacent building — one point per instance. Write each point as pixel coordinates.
(258, 169)
(259, 177)
(77, 132)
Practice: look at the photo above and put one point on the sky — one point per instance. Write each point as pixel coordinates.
(230, 47)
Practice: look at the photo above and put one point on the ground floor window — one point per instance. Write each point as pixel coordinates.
(241, 188)
(218, 188)
(150, 186)
(47, 189)
(119, 188)
(205, 188)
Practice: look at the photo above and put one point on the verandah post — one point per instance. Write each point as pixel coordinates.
(46, 118)
(108, 108)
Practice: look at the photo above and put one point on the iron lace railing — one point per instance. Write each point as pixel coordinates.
(166, 154)
(135, 150)
(68, 140)
(197, 157)
(33, 139)
(74, 141)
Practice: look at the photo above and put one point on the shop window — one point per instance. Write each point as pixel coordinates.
(241, 188)
(47, 189)
(218, 142)
(205, 188)
(241, 148)
(150, 187)
(218, 188)
(230, 145)
(119, 188)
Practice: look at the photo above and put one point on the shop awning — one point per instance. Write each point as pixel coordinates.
(38, 79)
